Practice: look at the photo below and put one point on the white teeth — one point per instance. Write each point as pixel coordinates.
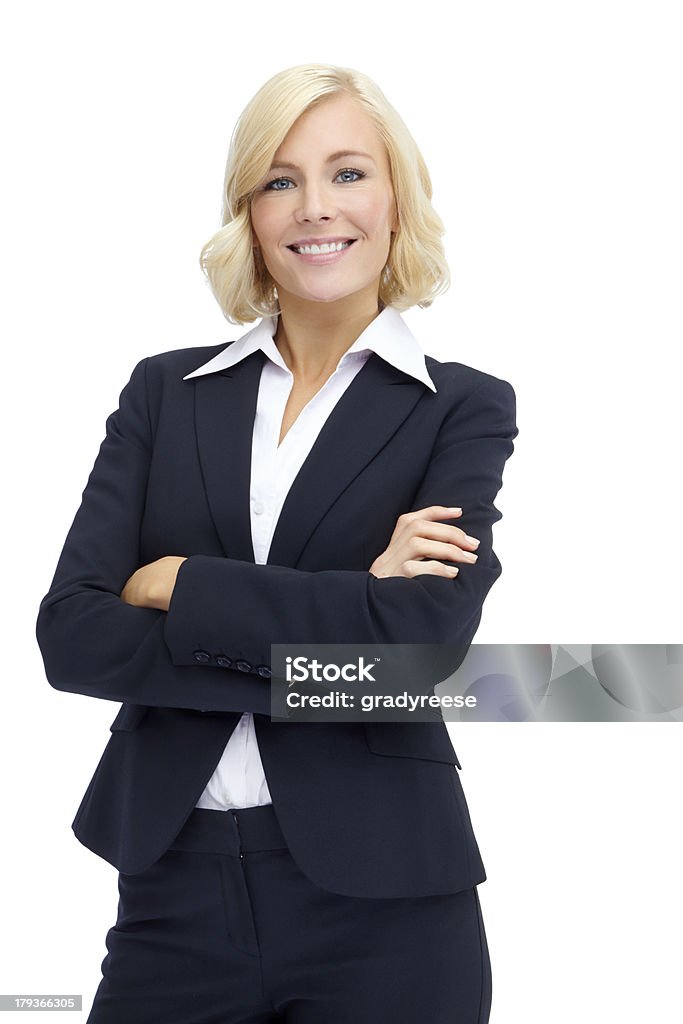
(312, 249)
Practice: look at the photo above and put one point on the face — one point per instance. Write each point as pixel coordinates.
(311, 193)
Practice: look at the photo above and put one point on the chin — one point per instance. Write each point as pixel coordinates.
(327, 297)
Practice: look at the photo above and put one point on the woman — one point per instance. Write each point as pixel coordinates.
(297, 486)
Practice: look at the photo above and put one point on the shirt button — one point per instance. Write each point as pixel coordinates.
(258, 507)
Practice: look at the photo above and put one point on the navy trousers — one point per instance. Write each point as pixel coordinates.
(225, 929)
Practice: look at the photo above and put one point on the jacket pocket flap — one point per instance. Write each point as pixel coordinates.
(428, 740)
(129, 717)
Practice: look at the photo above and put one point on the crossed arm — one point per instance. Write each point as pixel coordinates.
(415, 539)
(96, 641)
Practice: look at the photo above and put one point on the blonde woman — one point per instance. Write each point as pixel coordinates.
(317, 480)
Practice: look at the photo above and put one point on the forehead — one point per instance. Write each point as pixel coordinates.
(335, 127)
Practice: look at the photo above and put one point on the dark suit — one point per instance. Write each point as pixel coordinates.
(370, 809)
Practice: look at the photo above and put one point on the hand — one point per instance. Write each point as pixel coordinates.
(151, 586)
(416, 537)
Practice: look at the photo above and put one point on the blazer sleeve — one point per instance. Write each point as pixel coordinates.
(227, 605)
(90, 640)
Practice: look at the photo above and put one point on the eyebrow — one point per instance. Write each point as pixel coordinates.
(330, 159)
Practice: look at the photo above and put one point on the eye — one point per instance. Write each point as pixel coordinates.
(346, 170)
(275, 181)
(350, 170)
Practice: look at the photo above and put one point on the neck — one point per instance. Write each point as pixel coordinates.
(313, 336)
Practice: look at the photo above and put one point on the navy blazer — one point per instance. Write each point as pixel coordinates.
(372, 809)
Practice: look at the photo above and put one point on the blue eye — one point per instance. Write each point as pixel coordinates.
(276, 181)
(346, 170)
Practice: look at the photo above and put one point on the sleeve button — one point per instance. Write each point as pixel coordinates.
(243, 666)
(263, 670)
(224, 661)
(201, 656)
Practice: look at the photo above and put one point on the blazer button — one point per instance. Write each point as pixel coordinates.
(243, 666)
(224, 661)
(201, 656)
(263, 670)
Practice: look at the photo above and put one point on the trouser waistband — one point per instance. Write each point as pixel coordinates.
(235, 831)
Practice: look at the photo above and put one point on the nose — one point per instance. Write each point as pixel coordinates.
(316, 204)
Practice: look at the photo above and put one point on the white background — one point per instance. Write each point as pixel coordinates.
(552, 133)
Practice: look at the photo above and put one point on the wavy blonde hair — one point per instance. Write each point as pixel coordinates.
(416, 270)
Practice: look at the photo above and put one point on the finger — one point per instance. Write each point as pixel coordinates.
(438, 531)
(430, 568)
(423, 547)
(431, 512)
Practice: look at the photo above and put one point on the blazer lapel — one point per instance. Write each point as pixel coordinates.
(364, 419)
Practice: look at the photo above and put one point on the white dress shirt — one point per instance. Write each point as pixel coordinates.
(238, 779)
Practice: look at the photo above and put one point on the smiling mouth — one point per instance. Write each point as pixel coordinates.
(331, 252)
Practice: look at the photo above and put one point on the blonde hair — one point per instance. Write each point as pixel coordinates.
(416, 270)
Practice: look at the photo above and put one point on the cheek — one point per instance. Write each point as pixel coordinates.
(264, 226)
(375, 216)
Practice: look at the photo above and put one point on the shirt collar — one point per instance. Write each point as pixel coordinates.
(388, 335)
